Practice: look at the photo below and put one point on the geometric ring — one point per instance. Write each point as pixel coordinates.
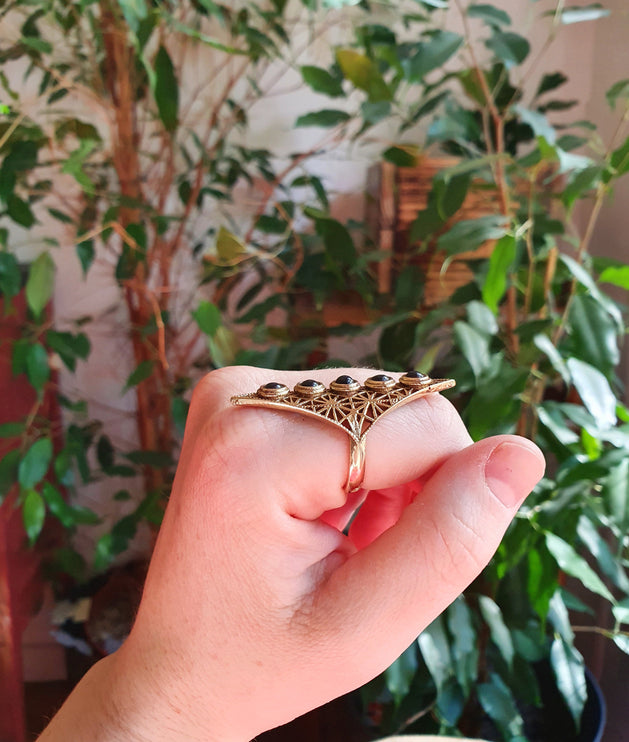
(346, 404)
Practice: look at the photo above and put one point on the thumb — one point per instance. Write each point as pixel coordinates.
(392, 589)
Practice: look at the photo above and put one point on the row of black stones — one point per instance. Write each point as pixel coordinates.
(344, 385)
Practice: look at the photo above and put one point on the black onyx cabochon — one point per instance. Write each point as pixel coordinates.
(415, 375)
(381, 377)
(273, 385)
(345, 379)
(309, 382)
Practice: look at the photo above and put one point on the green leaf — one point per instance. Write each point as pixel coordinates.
(69, 347)
(326, 118)
(469, 234)
(584, 13)
(542, 579)
(538, 122)
(475, 347)
(157, 459)
(57, 505)
(228, 246)
(75, 162)
(618, 90)
(596, 545)
(22, 157)
(223, 347)
(84, 516)
(622, 642)
(85, 252)
(489, 14)
(11, 430)
(499, 632)
(500, 265)
(618, 162)
(166, 90)
(432, 54)
(20, 211)
(621, 611)
(550, 81)
(544, 343)
(372, 113)
(617, 275)
(321, 81)
(560, 618)
(143, 371)
(105, 453)
(40, 283)
(464, 647)
(401, 156)
(339, 246)
(481, 318)
(509, 47)
(408, 288)
(103, 554)
(435, 648)
(207, 317)
(364, 74)
(585, 279)
(574, 565)
(70, 562)
(10, 277)
(37, 368)
(593, 334)
(35, 463)
(270, 224)
(580, 184)
(569, 670)
(33, 515)
(499, 704)
(595, 392)
(450, 192)
(616, 495)
(179, 409)
(399, 675)
(8, 472)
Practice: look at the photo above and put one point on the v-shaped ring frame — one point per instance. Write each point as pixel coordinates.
(348, 405)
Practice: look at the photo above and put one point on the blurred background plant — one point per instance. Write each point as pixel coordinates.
(533, 341)
(212, 245)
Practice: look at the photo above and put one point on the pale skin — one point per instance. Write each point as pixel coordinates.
(257, 608)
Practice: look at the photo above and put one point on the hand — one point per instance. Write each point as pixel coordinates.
(257, 607)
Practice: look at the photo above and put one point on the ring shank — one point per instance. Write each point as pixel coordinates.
(356, 464)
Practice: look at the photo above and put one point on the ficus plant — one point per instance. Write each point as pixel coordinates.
(534, 344)
(533, 340)
(114, 146)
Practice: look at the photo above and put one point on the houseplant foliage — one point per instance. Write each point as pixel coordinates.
(115, 146)
(533, 342)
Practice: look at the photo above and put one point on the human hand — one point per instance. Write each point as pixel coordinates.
(257, 608)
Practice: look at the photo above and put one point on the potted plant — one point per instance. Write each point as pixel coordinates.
(104, 154)
(533, 342)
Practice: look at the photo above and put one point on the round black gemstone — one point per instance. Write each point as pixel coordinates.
(309, 382)
(345, 379)
(273, 385)
(381, 377)
(415, 375)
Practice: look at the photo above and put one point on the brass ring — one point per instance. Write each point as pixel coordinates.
(348, 405)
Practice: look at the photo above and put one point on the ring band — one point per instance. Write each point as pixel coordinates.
(348, 405)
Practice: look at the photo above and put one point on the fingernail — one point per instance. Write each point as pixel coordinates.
(512, 470)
